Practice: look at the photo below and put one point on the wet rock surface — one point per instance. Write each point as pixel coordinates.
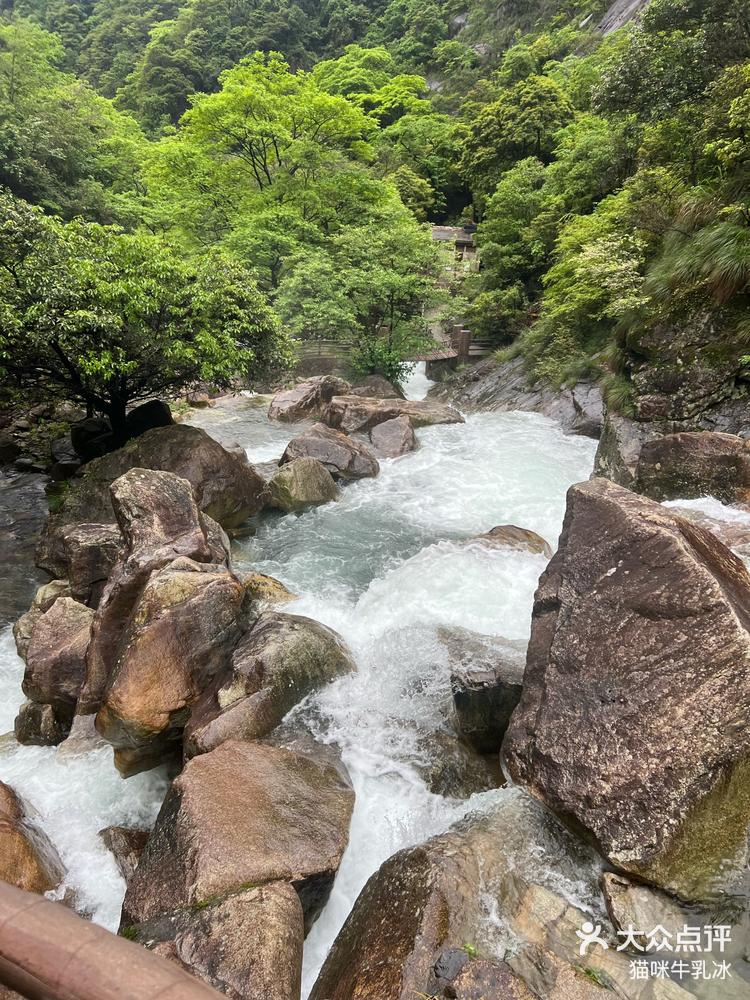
(344, 457)
(652, 771)
(281, 660)
(306, 400)
(357, 415)
(248, 945)
(420, 927)
(226, 486)
(207, 843)
(27, 858)
(56, 656)
(486, 682)
(510, 536)
(127, 846)
(394, 437)
(185, 625)
(493, 385)
(688, 465)
(302, 483)
(160, 522)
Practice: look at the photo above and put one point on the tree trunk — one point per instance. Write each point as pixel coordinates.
(116, 414)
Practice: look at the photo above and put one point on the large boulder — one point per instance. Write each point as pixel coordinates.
(306, 400)
(375, 387)
(688, 465)
(394, 438)
(243, 816)
(179, 637)
(45, 597)
(56, 657)
(634, 722)
(226, 486)
(504, 385)
(427, 923)
(354, 414)
(620, 447)
(486, 681)
(343, 456)
(300, 484)
(159, 520)
(247, 945)
(276, 664)
(27, 858)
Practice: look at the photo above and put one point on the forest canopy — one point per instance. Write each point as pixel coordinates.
(308, 146)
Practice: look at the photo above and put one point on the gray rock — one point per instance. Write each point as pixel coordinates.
(306, 400)
(634, 722)
(302, 483)
(486, 681)
(493, 385)
(344, 457)
(357, 415)
(394, 437)
(281, 660)
(688, 465)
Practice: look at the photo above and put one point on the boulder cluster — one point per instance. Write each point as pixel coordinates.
(149, 639)
(355, 426)
(623, 730)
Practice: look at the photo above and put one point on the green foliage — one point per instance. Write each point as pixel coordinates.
(104, 318)
(375, 357)
(61, 145)
(522, 122)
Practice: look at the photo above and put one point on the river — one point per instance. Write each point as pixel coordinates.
(389, 567)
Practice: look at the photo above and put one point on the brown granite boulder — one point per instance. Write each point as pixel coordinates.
(243, 816)
(27, 858)
(510, 536)
(354, 414)
(56, 657)
(300, 484)
(687, 465)
(375, 387)
(45, 597)
(247, 945)
(486, 681)
(179, 637)
(159, 520)
(226, 486)
(306, 400)
(634, 722)
(421, 927)
(265, 591)
(127, 845)
(394, 437)
(41, 725)
(91, 553)
(343, 456)
(281, 660)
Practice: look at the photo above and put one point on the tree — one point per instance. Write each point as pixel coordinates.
(522, 122)
(367, 284)
(105, 319)
(61, 145)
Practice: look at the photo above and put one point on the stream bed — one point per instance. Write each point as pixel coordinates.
(391, 566)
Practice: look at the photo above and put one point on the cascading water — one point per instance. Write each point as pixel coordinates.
(392, 568)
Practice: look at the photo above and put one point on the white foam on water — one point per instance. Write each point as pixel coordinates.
(387, 566)
(75, 798)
